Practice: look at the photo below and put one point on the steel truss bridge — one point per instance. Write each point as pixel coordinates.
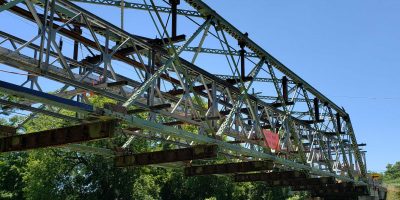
(199, 72)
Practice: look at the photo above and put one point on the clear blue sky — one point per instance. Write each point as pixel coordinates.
(348, 50)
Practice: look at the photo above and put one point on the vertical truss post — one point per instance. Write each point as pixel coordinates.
(75, 54)
(148, 73)
(43, 28)
(316, 109)
(338, 123)
(285, 93)
(106, 58)
(214, 104)
(122, 14)
(242, 44)
(151, 91)
(78, 30)
(51, 34)
(174, 12)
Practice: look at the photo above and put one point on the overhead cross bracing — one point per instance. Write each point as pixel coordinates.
(171, 81)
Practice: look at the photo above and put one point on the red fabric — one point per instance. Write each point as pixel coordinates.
(271, 139)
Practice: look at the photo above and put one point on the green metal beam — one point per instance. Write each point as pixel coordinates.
(139, 6)
(228, 168)
(216, 51)
(9, 5)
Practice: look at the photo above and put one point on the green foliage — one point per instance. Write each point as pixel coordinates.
(148, 184)
(392, 171)
(12, 166)
(99, 101)
(299, 196)
(202, 187)
(56, 174)
(392, 180)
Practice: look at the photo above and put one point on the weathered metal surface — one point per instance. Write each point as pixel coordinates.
(175, 155)
(271, 176)
(60, 136)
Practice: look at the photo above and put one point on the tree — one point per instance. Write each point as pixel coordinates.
(12, 166)
(392, 171)
(11, 171)
(392, 180)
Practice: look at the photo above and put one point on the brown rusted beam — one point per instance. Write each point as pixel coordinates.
(116, 107)
(174, 123)
(338, 189)
(300, 181)
(117, 83)
(229, 168)
(312, 121)
(317, 187)
(198, 88)
(277, 105)
(236, 142)
(242, 110)
(237, 80)
(268, 126)
(173, 39)
(6, 131)
(270, 176)
(131, 50)
(60, 136)
(167, 156)
(344, 196)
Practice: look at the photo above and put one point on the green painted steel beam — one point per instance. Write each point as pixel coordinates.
(139, 6)
(9, 5)
(216, 51)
